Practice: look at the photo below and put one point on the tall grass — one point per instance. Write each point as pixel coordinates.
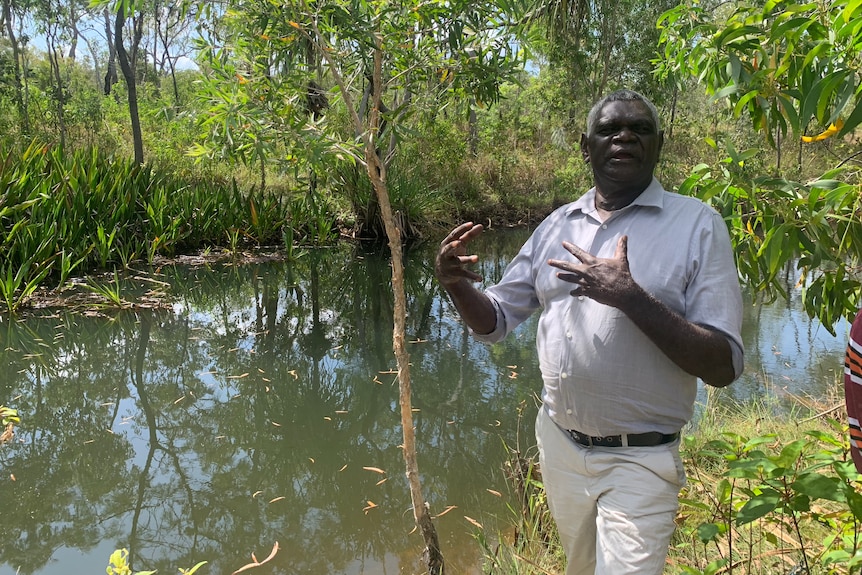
(62, 214)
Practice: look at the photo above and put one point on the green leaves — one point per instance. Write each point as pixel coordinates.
(784, 64)
(777, 224)
(783, 492)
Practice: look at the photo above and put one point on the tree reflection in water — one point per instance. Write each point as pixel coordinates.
(247, 416)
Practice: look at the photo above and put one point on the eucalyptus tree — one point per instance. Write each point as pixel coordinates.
(13, 15)
(126, 13)
(59, 21)
(598, 45)
(172, 22)
(791, 70)
(379, 62)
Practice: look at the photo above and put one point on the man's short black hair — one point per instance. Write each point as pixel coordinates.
(621, 96)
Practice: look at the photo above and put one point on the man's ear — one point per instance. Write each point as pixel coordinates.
(585, 150)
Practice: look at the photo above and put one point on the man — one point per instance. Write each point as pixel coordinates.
(639, 298)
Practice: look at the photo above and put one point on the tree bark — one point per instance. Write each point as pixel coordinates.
(111, 74)
(377, 172)
(369, 131)
(131, 85)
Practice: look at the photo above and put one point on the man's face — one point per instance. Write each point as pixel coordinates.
(624, 146)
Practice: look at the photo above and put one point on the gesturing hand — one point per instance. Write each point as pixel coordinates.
(607, 281)
(450, 265)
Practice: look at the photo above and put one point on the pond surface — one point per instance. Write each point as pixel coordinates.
(264, 408)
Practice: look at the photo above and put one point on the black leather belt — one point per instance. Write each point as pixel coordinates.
(648, 439)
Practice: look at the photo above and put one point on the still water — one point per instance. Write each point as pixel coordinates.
(263, 408)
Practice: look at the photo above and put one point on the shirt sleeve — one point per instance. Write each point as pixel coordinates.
(713, 297)
(514, 296)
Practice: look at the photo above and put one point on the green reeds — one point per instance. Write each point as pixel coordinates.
(83, 211)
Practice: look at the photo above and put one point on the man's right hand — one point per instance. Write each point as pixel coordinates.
(452, 260)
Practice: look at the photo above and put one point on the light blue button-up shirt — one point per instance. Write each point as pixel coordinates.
(601, 374)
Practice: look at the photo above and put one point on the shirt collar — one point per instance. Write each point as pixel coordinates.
(652, 196)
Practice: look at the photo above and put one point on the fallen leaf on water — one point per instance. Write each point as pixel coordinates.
(276, 499)
(179, 399)
(311, 459)
(377, 381)
(327, 418)
(341, 411)
(257, 563)
(12, 477)
(512, 366)
(371, 505)
(238, 376)
(492, 492)
(255, 494)
(445, 511)
(293, 373)
(513, 375)
(343, 467)
(384, 480)
(474, 522)
(374, 469)
(275, 423)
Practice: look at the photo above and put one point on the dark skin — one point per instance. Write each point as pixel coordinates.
(623, 148)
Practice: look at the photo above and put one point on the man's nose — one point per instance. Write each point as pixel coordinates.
(625, 133)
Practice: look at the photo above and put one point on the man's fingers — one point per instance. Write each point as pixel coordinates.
(583, 256)
(622, 250)
(464, 233)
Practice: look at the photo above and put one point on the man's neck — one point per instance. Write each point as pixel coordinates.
(610, 199)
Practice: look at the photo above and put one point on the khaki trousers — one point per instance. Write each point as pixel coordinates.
(614, 506)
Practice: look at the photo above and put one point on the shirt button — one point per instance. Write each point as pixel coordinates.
(563, 375)
(568, 335)
(568, 412)
(604, 226)
(580, 297)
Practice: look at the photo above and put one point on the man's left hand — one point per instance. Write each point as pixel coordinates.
(607, 281)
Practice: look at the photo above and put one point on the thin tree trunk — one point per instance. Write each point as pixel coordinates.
(20, 104)
(111, 74)
(59, 92)
(377, 173)
(131, 84)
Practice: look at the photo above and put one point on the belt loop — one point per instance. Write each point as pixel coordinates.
(624, 439)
